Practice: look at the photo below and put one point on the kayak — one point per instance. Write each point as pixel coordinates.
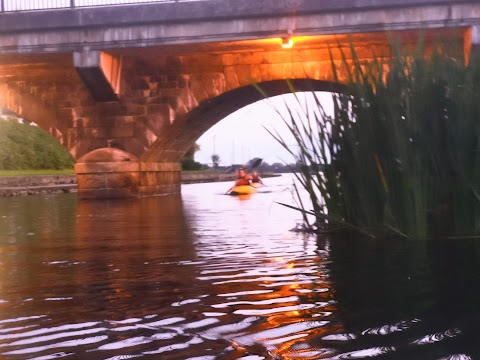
(257, 184)
(242, 190)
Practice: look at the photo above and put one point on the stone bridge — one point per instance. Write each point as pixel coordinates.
(128, 89)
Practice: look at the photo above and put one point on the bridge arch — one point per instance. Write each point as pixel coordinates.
(175, 142)
(130, 97)
(30, 108)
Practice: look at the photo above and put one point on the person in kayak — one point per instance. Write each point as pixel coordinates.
(242, 179)
(256, 179)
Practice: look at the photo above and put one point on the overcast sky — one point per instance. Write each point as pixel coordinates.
(242, 135)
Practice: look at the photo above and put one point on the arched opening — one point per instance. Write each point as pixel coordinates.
(176, 141)
(259, 130)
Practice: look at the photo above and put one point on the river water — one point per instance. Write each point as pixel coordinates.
(203, 276)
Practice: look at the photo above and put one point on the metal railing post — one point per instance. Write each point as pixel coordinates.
(72, 3)
(2, 6)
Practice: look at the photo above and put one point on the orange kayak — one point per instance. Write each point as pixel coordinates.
(242, 190)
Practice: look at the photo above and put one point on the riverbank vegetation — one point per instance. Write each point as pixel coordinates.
(26, 147)
(36, 172)
(26, 150)
(401, 152)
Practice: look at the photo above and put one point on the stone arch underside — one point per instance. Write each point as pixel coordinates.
(213, 82)
(170, 95)
(45, 89)
(31, 109)
(177, 140)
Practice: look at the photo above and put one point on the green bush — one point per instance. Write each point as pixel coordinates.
(188, 160)
(190, 165)
(29, 147)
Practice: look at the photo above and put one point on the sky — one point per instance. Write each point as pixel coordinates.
(243, 135)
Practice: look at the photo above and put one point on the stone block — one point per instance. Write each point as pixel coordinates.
(108, 132)
(64, 112)
(243, 74)
(159, 166)
(139, 84)
(111, 193)
(145, 136)
(134, 109)
(108, 155)
(158, 108)
(231, 77)
(106, 167)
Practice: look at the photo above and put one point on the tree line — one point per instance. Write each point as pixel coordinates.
(189, 164)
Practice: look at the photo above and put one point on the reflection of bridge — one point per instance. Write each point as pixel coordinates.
(127, 89)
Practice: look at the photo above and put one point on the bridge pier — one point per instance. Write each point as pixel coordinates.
(114, 173)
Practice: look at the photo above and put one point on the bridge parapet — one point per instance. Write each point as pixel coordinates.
(186, 22)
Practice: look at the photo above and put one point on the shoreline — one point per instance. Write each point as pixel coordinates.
(52, 184)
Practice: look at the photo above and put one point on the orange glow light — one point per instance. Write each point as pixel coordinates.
(287, 42)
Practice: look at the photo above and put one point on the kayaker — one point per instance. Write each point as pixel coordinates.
(256, 178)
(242, 179)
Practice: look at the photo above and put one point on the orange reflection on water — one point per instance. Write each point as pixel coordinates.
(121, 257)
(305, 311)
(243, 197)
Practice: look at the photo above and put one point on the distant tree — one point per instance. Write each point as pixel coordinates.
(215, 160)
(188, 161)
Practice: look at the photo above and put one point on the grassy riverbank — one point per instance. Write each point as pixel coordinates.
(24, 146)
(36, 172)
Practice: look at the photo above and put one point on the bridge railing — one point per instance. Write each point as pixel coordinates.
(32, 5)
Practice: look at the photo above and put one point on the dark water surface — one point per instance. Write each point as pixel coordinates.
(204, 276)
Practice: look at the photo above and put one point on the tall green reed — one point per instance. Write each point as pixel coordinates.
(401, 152)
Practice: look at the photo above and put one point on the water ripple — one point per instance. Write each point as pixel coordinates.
(48, 330)
(439, 336)
(457, 357)
(258, 302)
(69, 343)
(362, 353)
(389, 329)
(212, 282)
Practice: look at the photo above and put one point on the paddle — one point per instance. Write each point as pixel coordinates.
(229, 169)
(257, 162)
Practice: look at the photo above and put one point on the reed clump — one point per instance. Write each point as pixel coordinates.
(401, 152)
